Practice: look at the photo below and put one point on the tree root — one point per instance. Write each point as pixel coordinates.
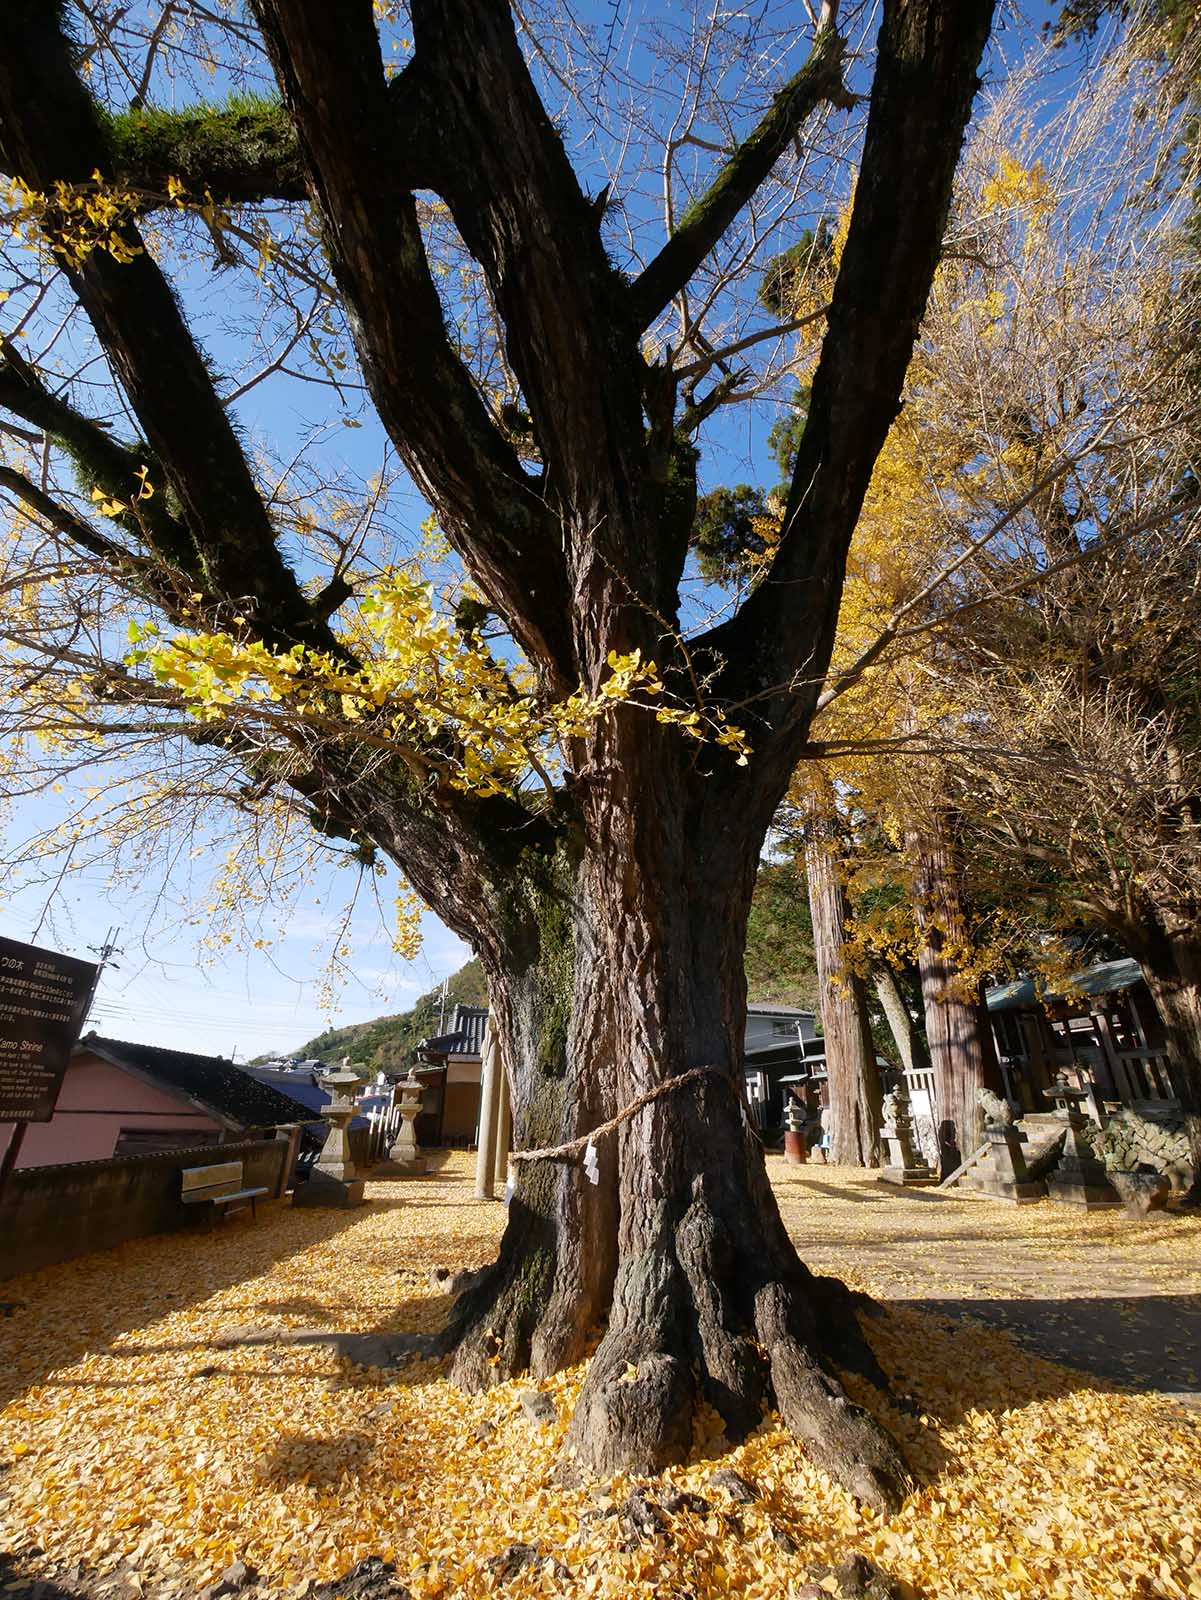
(532, 1310)
(687, 1327)
(682, 1335)
(839, 1437)
(491, 1328)
(636, 1410)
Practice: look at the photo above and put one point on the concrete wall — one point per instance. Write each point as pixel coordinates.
(50, 1214)
(97, 1102)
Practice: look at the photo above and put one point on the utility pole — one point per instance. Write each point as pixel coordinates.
(442, 1008)
(106, 952)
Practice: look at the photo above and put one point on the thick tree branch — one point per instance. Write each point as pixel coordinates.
(243, 153)
(240, 154)
(212, 528)
(52, 132)
(818, 82)
(929, 51)
(100, 460)
(520, 208)
(327, 60)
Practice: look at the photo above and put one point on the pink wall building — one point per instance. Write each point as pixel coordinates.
(124, 1099)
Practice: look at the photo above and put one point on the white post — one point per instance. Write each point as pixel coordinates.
(504, 1131)
(490, 1073)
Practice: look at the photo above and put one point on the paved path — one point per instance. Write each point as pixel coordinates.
(1098, 1291)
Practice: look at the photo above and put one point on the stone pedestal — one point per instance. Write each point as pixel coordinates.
(916, 1176)
(404, 1157)
(1003, 1173)
(335, 1179)
(1079, 1179)
(322, 1190)
(904, 1163)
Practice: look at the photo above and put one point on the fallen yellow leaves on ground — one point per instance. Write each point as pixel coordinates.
(158, 1407)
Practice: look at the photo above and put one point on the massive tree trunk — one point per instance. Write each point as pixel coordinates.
(1171, 961)
(855, 1095)
(680, 1247)
(956, 1028)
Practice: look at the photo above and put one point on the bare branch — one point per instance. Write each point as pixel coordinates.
(818, 82)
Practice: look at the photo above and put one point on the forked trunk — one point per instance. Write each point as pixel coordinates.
(1171, 963)
(680, 1242)
(956, 1028)
(610, 915)
(855, 1095)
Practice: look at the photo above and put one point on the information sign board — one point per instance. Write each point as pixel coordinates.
(43, 1000)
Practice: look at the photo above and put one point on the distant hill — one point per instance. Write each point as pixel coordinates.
(780, 962)
(387, 1043)
(780, 967)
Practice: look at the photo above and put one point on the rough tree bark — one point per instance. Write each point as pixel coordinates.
(956, 1027)
(610, 919)
(856, 1096)
(552, 1283)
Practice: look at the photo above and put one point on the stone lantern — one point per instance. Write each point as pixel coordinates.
(335, 1179)
(904, 1165)
(796, 1124)
(1079, 1179)
(404, 1156)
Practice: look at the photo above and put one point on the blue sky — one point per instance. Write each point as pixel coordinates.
(164, 989)
(161, 990)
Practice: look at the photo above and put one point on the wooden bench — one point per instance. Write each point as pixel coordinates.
(219, 1187)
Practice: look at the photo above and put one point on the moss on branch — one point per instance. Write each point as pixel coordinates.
(242, 151)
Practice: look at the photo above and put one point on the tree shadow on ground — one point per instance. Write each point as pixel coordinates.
(321, 1463)
(77, 1296)
(815, 1185)
(1150, 1343)
(435, 1162)
(1106, 1346)
(874, 1196)
(798, 1183)
(17, 1579)
(364, 1358)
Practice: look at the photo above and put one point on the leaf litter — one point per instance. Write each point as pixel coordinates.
(166, 1408)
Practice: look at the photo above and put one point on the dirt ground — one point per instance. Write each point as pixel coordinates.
(1097, 1291)
(184, 1402)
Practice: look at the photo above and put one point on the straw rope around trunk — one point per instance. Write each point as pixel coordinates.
(576, 1146)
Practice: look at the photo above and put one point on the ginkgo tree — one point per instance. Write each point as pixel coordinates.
(1012, 697)
(553, 438)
